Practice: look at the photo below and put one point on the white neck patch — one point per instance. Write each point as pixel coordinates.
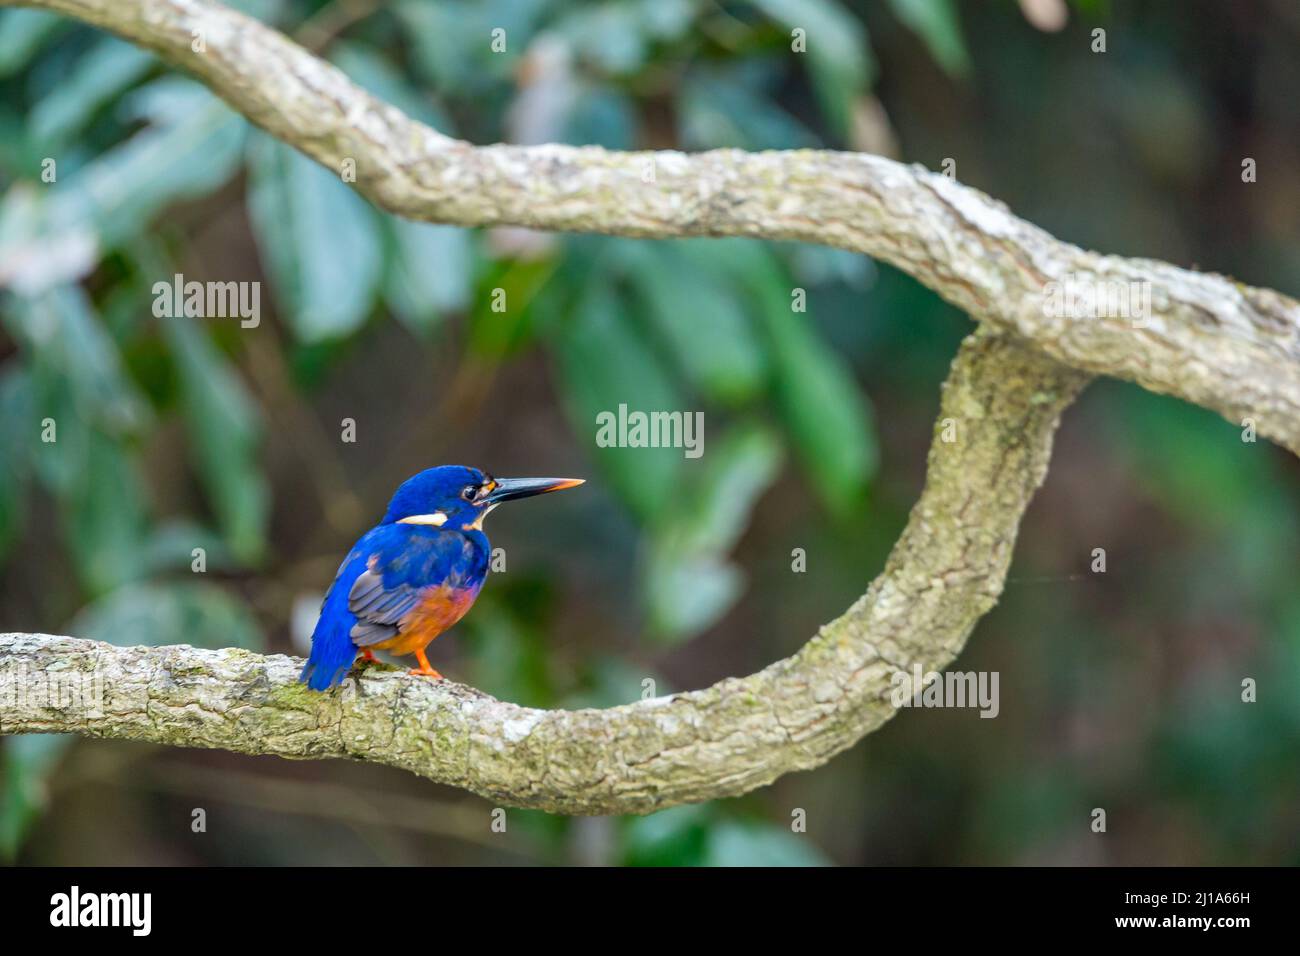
(437, 519)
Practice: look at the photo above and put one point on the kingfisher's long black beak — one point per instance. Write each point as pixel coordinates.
(508, 489)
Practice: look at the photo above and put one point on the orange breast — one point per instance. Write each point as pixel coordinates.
(438, 610)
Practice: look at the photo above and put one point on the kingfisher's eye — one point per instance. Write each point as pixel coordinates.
(468, 492)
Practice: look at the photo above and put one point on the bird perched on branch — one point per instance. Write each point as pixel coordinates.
(415, 574)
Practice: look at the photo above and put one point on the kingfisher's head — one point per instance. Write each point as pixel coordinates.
(459, 498)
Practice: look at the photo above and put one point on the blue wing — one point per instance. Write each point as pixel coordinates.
(379, 582)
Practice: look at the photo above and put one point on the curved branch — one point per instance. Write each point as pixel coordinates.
(1205, 338)
(1002, 398)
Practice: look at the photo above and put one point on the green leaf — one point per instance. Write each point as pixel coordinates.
(827, 415)
(714, 512)
(819, 402)
(193, 145)
(751, 844)
(838, 52)
(600, 117)
(451, 40)
(26, 761)
(936, 23)
(723, 106)
(666, 20)
(703, 323)
(619, 37)
(105, 517)
(67, 333)
(23, 33)
(96, 79)
(674, 837)
(192, 148)
(194, 613)
(610, 680)
(1195, 465)
(689, 584)
(611, 36)
(171, 544)
(491, 334)
(429, 273)
(320, 240)
(79, 385)
(508, 655)
(605, 362)
(687, 595)
(78, 382)
(223, 432)
(16, 439)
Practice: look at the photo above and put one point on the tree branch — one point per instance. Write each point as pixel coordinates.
(1206, 339)
(947, 570)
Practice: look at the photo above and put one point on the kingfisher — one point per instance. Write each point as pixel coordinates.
(416, 573)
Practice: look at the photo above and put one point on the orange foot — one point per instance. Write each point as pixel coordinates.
(369, 655)
(425, 669)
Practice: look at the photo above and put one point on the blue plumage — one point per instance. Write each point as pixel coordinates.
(332, 650)
(381, 582)
(416, 573)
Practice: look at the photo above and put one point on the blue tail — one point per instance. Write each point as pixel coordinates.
(329, 663)
(332, 650)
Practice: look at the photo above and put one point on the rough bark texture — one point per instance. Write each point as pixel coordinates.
(1207, 339)
(1003, 399)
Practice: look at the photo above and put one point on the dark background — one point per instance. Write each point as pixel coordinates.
(1119, 690)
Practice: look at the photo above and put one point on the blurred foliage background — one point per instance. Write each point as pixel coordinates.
(1119, 690)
